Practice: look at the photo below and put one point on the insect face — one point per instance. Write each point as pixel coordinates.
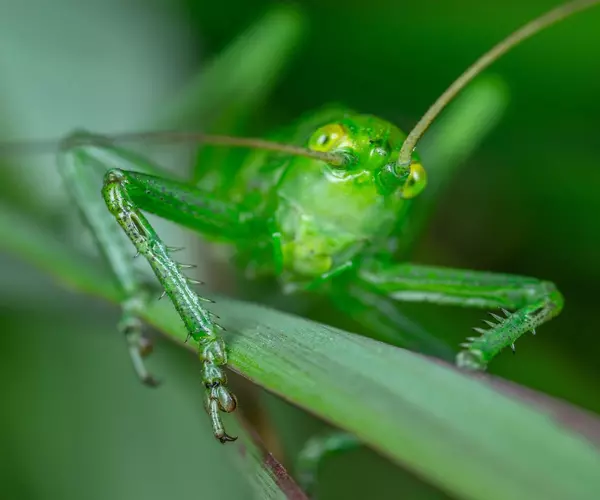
(371, 147)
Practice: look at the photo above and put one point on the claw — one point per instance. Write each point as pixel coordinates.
(150, 381)
(489, 323)
(481, 331)
(225, 438)
(162, 294)
(506, 313)
(512, 346)
(496, 317)
(533, 331)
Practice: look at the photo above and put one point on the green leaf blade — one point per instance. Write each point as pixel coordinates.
(453, 429)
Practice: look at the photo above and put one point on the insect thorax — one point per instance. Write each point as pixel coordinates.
(326, 219)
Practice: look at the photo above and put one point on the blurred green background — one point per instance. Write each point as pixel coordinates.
(75, 421)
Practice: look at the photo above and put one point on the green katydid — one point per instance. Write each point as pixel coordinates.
(320, 206)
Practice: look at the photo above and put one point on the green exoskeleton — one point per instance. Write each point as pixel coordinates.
(322, 206)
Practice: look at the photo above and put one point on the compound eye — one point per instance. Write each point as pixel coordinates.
(416, 181)
(327, 138)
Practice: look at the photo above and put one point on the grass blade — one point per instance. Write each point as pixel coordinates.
(457, 431)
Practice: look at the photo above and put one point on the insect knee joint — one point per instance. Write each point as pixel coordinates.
(553, 295)
(114, 176)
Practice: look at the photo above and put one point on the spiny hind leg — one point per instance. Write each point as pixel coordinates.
(198, 321)
(126, 191)
(525, 302)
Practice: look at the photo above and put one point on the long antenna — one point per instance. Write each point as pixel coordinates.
(549, 18)
(50, 146)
